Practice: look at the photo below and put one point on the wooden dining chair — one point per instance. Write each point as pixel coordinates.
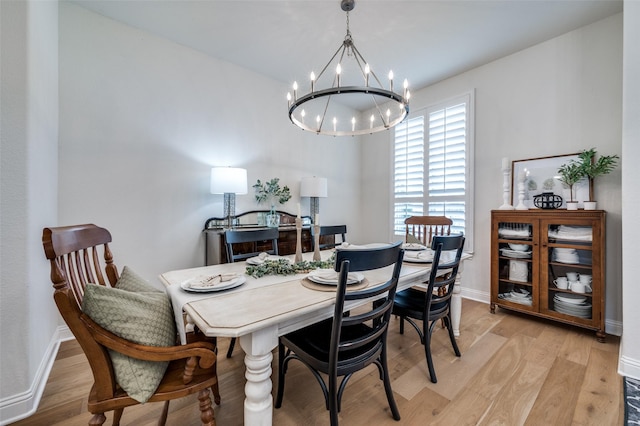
(422, 229)
(415, 304)
(125, 370)
(347, 343)
(233, 238)
(334, 230)
(252, 236)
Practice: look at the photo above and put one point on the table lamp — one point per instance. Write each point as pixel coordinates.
(229, 181)
(313, 187)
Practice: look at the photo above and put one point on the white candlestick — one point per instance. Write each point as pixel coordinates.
(298, 210)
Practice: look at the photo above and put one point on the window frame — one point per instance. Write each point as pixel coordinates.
(467, 97)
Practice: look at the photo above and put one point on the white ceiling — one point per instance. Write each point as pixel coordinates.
(424, 41)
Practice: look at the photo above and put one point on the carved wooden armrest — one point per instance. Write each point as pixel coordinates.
(203, 351)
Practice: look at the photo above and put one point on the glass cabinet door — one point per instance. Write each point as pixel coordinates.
(567, 273)
(517, 276)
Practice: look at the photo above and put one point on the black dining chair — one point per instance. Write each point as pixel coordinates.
(347, 343)
(429, 306)
(335, 230)
(249, 236)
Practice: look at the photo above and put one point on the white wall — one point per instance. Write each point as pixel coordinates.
(142, 120)
(629, 364)
(29, 96)
(558, 97)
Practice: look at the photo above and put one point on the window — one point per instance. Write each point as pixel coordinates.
(432, 161)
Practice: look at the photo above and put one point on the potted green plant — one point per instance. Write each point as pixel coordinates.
(593, 168)
(270, 192)
(570, 174)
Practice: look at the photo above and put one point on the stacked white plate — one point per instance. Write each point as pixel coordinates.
(572, 304)
(520, 296)
(516, 254)
(565, 255)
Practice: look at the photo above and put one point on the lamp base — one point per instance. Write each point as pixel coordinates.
(229, 209)
(314, 206)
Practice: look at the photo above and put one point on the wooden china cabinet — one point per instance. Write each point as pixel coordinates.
(531, 249)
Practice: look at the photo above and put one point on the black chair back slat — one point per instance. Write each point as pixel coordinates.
(250, 236)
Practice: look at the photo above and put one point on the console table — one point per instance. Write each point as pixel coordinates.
(215, 252)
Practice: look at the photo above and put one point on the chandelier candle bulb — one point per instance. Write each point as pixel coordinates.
(353, 123)
(335, 122)
(295, 90)
(367, 70)
(406, 86)
(338, 71)
(313, 79)
(391, 80)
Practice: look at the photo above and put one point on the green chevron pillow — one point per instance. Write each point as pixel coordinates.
(130, 281)
(142, 317)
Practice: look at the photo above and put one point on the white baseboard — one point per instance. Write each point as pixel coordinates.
(22, 405)
(629, 367)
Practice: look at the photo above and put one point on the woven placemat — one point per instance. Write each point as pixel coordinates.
(325, 287)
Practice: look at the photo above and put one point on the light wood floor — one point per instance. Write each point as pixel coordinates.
(514, 370)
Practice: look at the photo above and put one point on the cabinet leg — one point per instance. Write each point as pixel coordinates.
(493, 308)
(601, 336)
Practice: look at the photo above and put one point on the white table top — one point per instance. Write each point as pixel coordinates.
(266, 301)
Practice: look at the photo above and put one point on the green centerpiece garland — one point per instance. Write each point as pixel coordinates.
(285, 267)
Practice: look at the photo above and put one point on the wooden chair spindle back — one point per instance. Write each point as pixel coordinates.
(424, 228)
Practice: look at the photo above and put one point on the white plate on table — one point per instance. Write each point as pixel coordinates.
(330, 277)
(257, 260)
(224, 285)
(414, 246)
(423, 256)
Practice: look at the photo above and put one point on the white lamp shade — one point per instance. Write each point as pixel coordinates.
(313, 187)
(228, 180)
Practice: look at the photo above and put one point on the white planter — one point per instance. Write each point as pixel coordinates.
(590, 205)
(572, 205)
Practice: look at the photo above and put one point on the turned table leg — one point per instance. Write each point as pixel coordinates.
(258, 403)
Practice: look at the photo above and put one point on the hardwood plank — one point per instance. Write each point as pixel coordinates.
(501, 368)
(514, 401)
(557, 397)
(599, 398)
(467, 409)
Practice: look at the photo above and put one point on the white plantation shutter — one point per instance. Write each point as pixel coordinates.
(432, 154)
(408, 169)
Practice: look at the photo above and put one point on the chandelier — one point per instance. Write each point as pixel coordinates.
(352, 101)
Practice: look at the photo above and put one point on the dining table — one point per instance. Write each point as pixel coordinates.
(261, 309)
